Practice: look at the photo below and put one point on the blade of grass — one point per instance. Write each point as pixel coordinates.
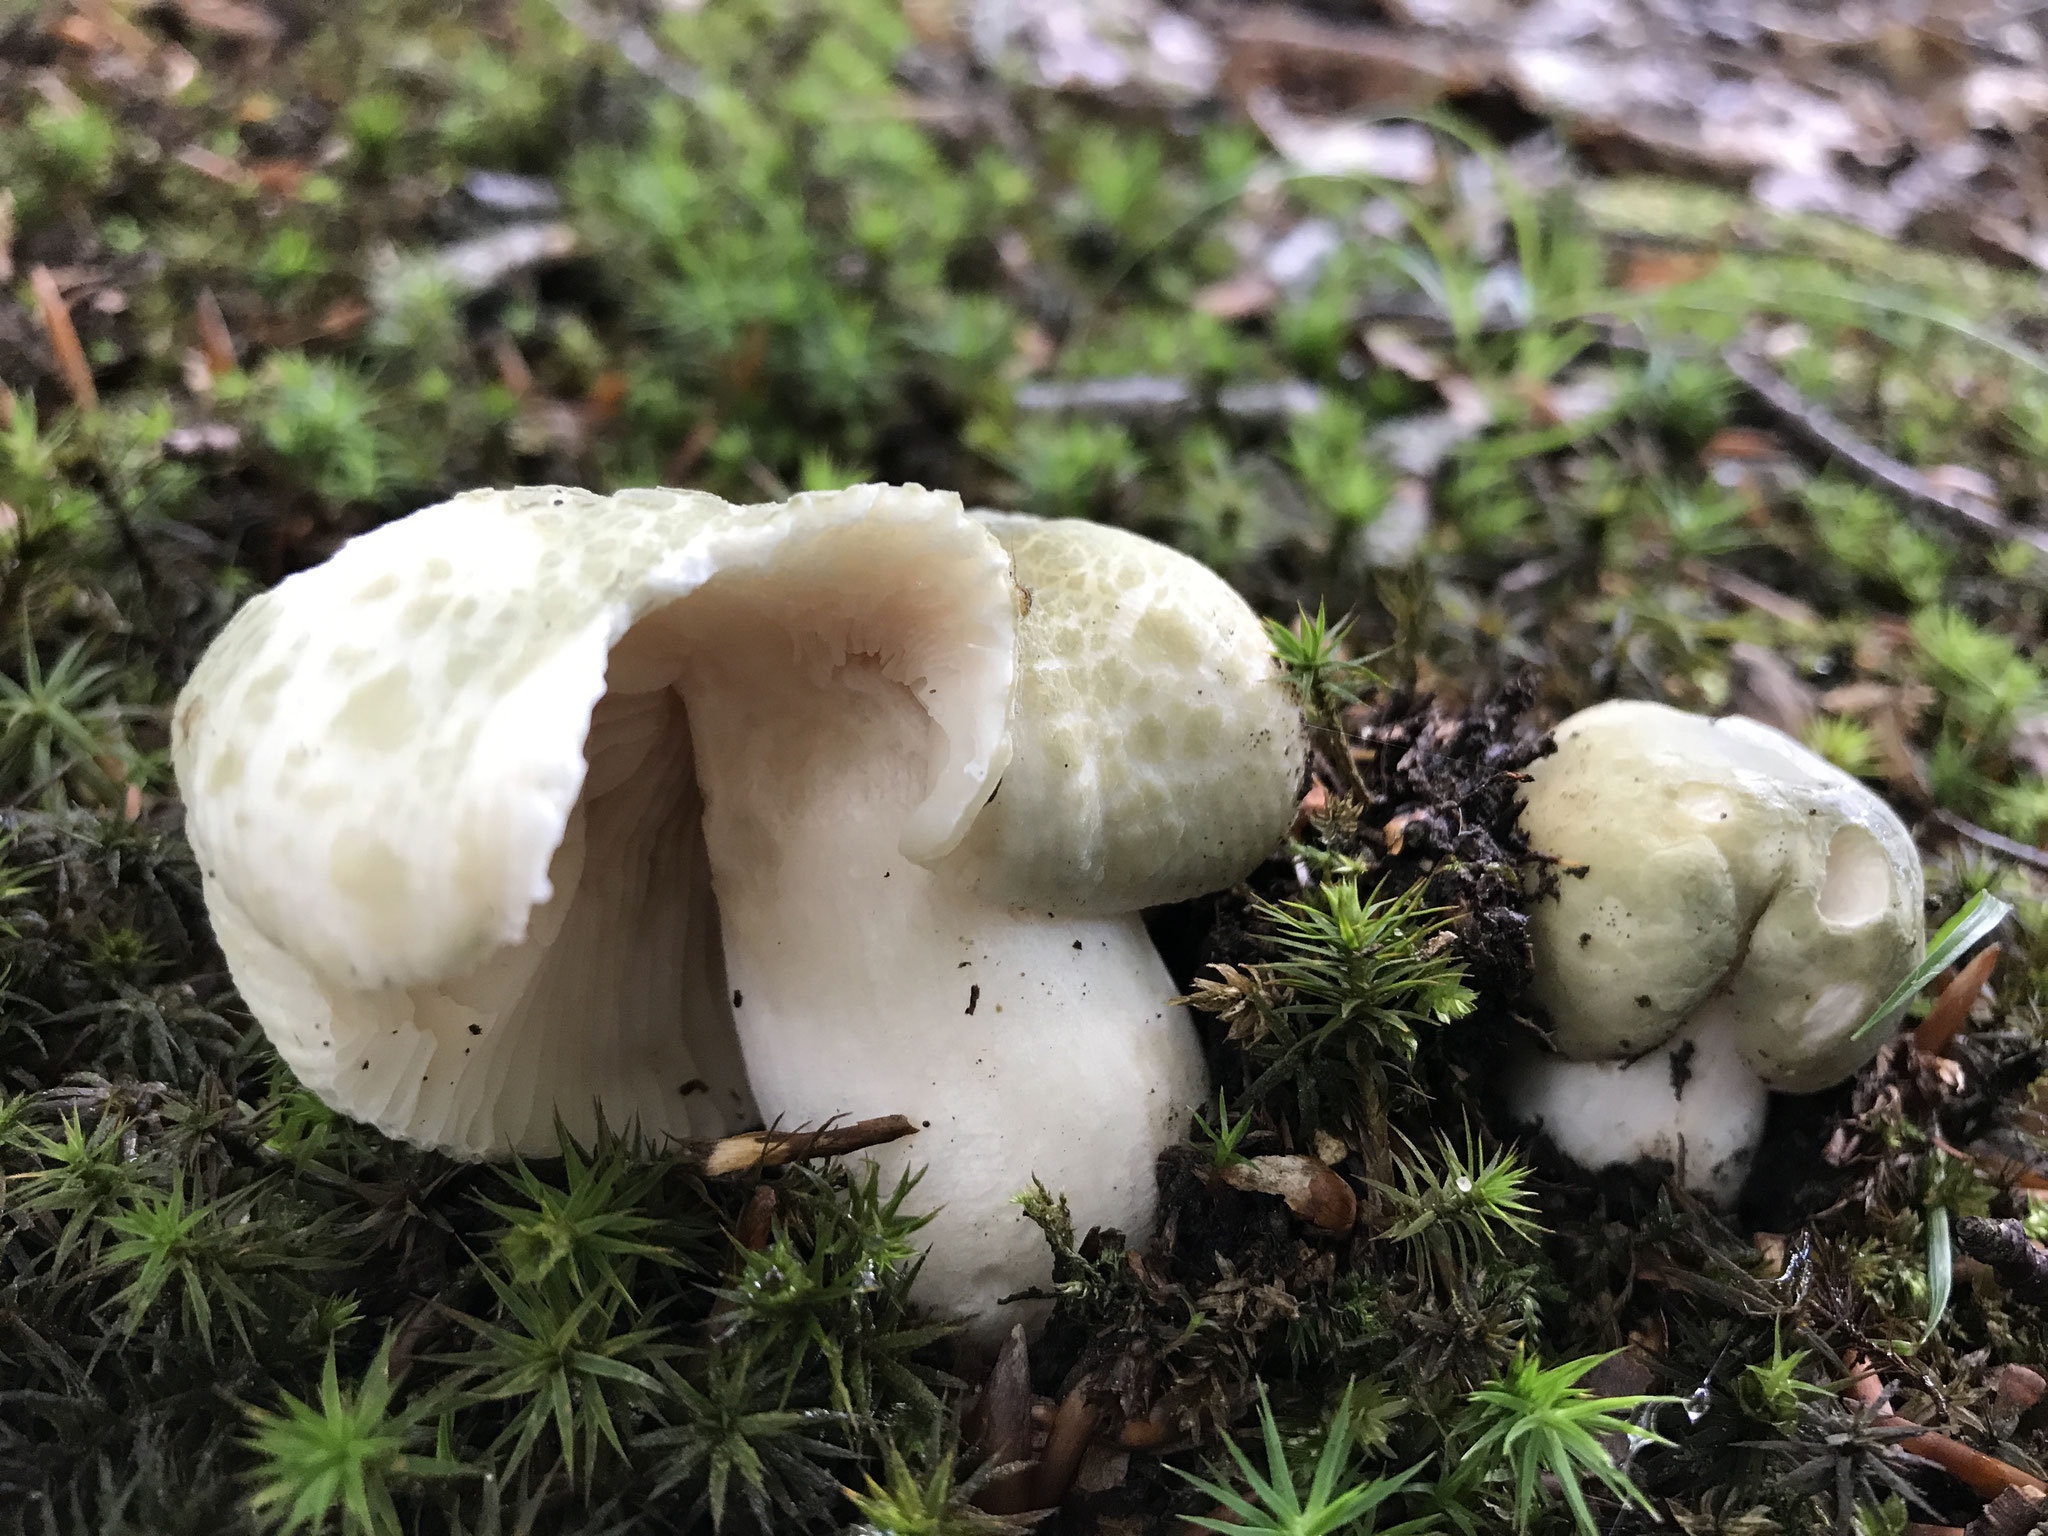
(1940, 1269)
(1979, 916)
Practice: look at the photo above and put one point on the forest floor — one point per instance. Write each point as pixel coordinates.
(1452, 317)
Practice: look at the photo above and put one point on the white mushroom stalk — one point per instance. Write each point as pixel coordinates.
(540, 803)
(1742, 907)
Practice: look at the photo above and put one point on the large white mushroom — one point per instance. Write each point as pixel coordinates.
(1742, 907)
(539, 802)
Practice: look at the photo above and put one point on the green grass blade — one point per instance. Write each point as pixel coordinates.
(1940, 1269)
(1978, 917)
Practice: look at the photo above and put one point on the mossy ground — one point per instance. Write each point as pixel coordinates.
(844, 252)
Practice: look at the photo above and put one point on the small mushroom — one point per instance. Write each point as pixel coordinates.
(1733, 908)
(542, 803)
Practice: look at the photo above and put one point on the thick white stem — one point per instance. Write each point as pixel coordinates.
(1692, 1103)
(1022, 1043)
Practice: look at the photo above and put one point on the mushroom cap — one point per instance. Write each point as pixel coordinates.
(442, 878)
(1157, 750)
(1718, 854)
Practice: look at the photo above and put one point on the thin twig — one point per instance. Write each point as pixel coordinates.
(1997, 842)
(1964, 513)
(769, 1149)
(1986, 1476)
(2020, 1263)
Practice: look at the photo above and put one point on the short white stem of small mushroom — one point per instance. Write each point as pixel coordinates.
(1021, 1043)
(1692, 1103)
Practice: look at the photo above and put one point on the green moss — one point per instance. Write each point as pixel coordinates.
(814, 267)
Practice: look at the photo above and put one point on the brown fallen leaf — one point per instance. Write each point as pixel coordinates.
(2018, 1388)
(1147, 1433)
(757, 1222)
(1032, 351)
(56, 318)
(999, 1428)
(280, 177)
(81, 34)
(691, 450)
(210, 163)
(216, 341)
(1951, 1011)
(1892, 716)
(606, 394)
(1238, 298)
(1742, 443)
(1650, 268)
(1312, 1189)
(512, 370)
(1072, 1427)
(230, 18)
(1391, 347)
(134, 43)
(1997, 1167)
(1366, 67)
(1396, 832)
(340, 318)
(1765, 688)
(1751, 593)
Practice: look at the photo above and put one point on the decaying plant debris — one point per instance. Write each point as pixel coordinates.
(277, 273)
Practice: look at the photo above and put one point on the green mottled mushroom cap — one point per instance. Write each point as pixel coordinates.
(1720, 859)
(1157, 751)
(437, 817)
